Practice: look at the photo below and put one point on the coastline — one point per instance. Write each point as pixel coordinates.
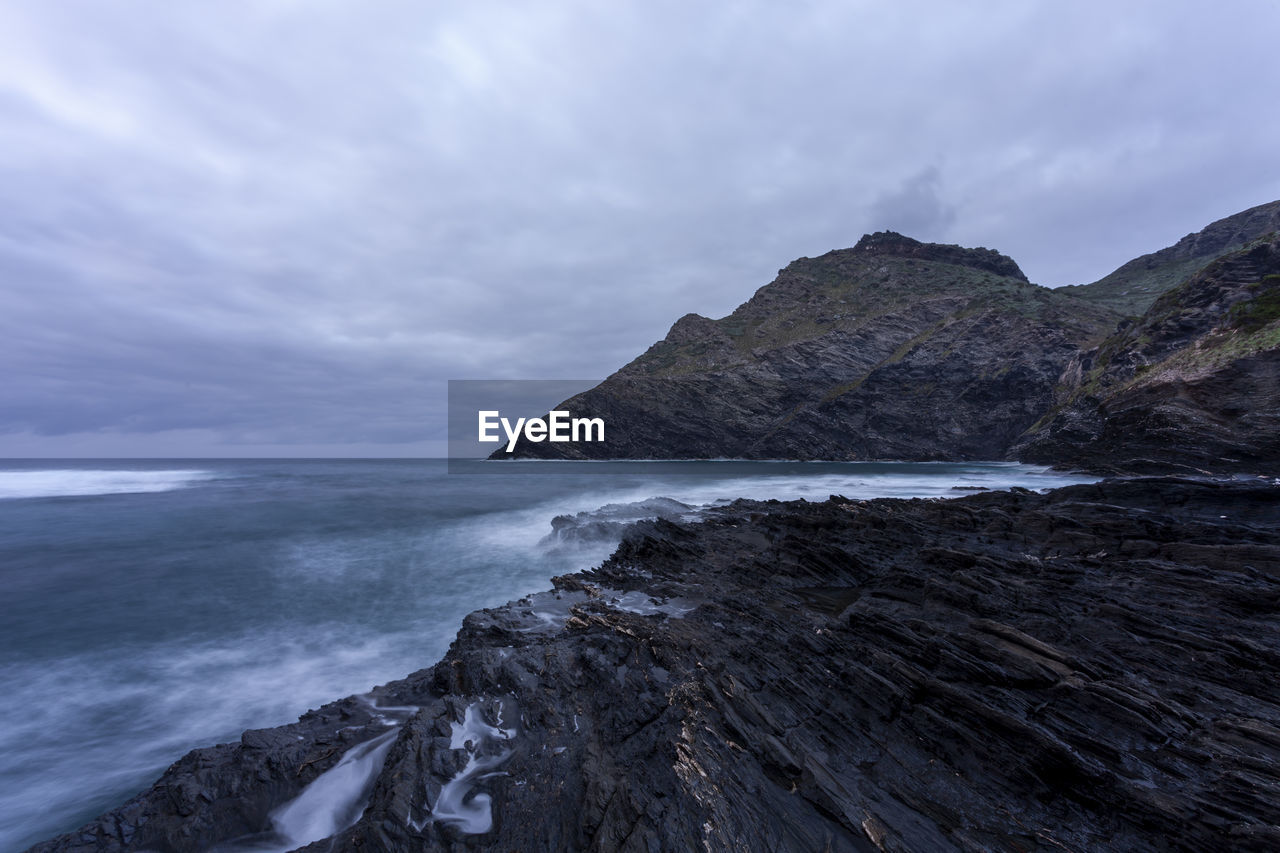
(927, 384)
(1007, 669)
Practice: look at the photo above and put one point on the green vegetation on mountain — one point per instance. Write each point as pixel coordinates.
(1133, 287)
(851, 290)
(1195, 378)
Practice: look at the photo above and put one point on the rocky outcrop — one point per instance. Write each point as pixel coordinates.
(891, 244)
(1089, 669)
(893, 349)
(1192, 384)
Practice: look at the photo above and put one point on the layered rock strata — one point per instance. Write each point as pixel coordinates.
(1092, 668)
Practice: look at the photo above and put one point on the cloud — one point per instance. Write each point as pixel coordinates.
(915, 208)
(290, 223)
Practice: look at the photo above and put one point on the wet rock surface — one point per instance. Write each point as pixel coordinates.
(227, 791)
(1092, 668)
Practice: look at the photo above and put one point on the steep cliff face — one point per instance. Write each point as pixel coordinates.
(892, 349)
(1194, 382)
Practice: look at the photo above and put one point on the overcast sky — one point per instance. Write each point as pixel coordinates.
(247, 228)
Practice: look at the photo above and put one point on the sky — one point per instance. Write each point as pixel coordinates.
(278, 227)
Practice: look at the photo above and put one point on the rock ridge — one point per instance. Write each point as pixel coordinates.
(894, 244)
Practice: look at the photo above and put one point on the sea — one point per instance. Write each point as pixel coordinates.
(149, 607)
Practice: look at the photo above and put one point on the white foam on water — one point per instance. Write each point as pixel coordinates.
(703, 488)
(67, 482)
(869, 480)
(336, 798)
(458, 804)
(643, 604)
(135, 714)
(515, 539)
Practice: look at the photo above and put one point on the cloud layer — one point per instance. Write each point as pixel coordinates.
(281, 226)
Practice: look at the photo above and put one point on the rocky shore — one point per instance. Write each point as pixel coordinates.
(1089, 669)
(1092, 668)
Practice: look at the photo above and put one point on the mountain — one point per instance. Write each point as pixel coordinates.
(1193, 382)
(897, 349)
(892, 349)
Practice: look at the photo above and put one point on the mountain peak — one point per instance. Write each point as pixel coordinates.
(886, 241)
(893, 244)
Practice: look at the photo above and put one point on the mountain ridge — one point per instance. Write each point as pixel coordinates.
(896, 349)
(1134, 285)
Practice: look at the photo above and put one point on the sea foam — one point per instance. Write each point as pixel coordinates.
(65, 482)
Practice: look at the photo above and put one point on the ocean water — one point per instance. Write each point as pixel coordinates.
(150, 607)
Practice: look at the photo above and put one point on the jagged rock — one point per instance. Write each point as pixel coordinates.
(891, 244)
(1093, 668)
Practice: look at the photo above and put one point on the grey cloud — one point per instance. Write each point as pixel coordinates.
(916, 207)
(291, 223)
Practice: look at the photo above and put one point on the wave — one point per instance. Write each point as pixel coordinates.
(67, 482)
(856, 480)
(135, 713)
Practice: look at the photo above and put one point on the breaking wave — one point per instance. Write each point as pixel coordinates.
(66, 482)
